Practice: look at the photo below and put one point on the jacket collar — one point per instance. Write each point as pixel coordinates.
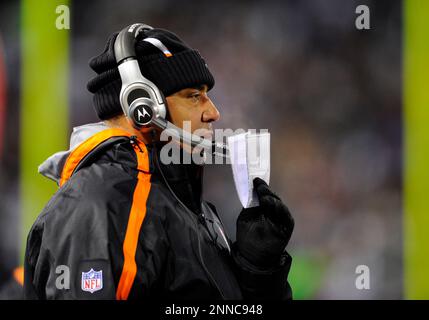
(86, 141)
(186, 180)
(53, 166)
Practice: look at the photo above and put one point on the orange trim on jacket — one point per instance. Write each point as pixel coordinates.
(137, 215)
(138, 207)
(86, 147)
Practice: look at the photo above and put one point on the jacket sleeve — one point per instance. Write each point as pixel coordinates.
(258, 284)
(66, 262)
(32, 252)
(94, 249)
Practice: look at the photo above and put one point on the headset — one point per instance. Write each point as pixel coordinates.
(145, 105)
(142, 102)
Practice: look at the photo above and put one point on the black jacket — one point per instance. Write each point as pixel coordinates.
(125, 226)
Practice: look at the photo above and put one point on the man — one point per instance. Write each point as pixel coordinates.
(124, 225)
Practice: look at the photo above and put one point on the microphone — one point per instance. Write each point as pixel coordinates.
(189, 138)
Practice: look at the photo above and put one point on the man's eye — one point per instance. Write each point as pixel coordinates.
(195, 96)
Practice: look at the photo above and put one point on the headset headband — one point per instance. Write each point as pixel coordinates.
(126, 40)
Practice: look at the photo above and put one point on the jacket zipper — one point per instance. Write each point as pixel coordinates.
(210, 276)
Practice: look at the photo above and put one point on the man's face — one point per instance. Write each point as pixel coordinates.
(193, 105)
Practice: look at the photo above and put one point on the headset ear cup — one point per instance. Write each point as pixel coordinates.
(139, 97)
(164, 100)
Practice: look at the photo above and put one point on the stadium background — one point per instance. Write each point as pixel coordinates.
(345, 108)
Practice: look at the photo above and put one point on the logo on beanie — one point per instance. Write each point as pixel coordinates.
(143, 114)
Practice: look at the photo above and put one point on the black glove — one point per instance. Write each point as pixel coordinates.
(263, 232)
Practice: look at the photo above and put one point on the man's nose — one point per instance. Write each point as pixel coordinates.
(211, 113)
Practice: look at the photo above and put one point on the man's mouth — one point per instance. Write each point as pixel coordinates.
(205, 133)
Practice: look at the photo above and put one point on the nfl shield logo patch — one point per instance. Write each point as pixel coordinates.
(92, 280)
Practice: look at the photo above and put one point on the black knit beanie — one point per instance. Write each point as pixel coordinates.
(185, 68)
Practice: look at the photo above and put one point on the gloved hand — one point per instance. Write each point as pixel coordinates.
(263, 232)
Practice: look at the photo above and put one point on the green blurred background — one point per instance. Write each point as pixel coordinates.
(346, 109)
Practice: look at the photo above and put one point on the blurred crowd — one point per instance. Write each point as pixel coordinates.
(329, 94)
